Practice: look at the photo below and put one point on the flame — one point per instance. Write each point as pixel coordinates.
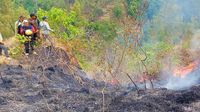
(143, 78)
(184, 71)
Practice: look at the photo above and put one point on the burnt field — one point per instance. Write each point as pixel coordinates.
(53, 90)
(50, 82)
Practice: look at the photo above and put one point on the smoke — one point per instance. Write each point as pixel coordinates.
(174, 16)
(193, 78)
(177, 83)
(177, 21)
(195, 41)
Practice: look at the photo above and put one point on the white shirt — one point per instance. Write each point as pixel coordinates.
(45, 28)
(17, 23)
(1, 38)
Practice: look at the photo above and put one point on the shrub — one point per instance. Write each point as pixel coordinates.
(105, 29)
(117, 11)
(132, 6)
(97, 12)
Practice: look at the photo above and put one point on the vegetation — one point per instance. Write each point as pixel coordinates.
(9, 13)
(112, 36)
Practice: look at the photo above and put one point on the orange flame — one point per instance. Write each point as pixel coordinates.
(184, 71)
(143, 78)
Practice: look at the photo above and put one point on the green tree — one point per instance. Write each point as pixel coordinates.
(132, 7)
(67, 25)
(9, 13)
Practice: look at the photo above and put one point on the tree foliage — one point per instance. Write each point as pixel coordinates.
(66, 24)
(9, 14)
(153, 8)
(117, 11)
(105, 29)
(114, 36)
(132, 7)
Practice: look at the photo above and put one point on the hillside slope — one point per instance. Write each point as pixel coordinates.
(46, 86)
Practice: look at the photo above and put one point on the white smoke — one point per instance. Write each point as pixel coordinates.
(193, 78)
(180, 16)
(177, 83)
(195, 41)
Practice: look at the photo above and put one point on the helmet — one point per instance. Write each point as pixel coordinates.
(28, 32)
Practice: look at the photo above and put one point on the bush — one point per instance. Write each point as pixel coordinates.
(105, 29)
(66, 25)
(132, 6)
(117, 12)
(97, 12)
(21, 39)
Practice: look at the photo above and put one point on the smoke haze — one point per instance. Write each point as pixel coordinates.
(180, 19)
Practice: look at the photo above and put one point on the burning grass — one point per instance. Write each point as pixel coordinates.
(183, 71)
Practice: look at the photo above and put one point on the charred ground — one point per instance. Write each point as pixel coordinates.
(52, 83)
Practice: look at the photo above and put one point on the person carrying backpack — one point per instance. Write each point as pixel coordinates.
(45, 30)
(28, 30)
(19, 24)
(33, 20)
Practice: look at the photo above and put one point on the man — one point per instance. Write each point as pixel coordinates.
(45, 30)
(19, 24)
(3, 47)
(35, 23)
(28, 30)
